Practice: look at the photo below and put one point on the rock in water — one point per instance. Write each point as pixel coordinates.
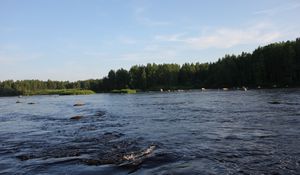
(24, 157)
(274, 102)
(77, 117)
(137, 158)
(78, 104)
(31, 103)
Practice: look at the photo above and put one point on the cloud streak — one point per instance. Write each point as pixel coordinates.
(225, 37)
(279, 9)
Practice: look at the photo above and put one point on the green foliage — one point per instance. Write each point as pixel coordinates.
(138, 77)
(36, 87)
(274, 64)
(124, 91)
(122, 79)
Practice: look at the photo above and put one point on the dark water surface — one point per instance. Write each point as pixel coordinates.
(211, 132)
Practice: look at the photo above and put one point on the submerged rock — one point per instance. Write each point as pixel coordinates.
(24, 157)
(274, 102)
(136, 158)
(92, 162)
(78, 104)
(99, 113)
(77, 117)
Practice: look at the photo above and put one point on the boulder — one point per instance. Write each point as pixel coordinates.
(77, 117)
(274, 102)
(78, 104)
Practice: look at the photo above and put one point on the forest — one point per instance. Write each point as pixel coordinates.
(273, 65)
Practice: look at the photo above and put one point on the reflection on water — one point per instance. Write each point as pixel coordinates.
(211, 132)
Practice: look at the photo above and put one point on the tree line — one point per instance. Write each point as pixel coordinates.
(276, 64)
(23, 87)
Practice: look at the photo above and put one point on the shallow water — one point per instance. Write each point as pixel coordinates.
(193, 132)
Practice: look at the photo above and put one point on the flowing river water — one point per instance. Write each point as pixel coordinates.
(191, 132)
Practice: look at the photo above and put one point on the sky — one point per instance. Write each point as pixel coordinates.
(83, 39)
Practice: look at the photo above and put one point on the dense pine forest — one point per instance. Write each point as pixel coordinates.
(274, 65)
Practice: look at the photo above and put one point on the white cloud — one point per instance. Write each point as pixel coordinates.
(152, 23)
(282, 8)
(260, 33)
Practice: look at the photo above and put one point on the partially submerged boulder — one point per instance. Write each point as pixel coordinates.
(136, 158)
(78, 104)
(24, 157)
(77, 117)
(99, 113)
(274, 102)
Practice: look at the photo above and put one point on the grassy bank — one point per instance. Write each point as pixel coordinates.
(60, 92)
(124, 91)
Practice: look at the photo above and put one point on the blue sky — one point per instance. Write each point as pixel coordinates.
(77, 39)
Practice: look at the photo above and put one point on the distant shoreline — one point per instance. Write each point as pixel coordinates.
(53, 92)
(65, 92)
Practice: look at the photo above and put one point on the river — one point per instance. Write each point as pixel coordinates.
(191, 132)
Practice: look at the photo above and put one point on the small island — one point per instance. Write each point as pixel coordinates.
(124, 91)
